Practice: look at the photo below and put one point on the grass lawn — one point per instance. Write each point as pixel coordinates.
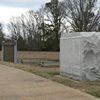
(52, 73)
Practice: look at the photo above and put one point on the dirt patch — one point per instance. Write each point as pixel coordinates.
(38, 55)
(38, 58)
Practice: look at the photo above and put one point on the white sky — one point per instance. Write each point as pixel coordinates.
(7, 12)
(9, 8)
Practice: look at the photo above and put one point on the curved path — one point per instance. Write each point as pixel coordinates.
(16, 84)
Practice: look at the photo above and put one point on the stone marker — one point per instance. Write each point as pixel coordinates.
(9, 51)
(80, 55)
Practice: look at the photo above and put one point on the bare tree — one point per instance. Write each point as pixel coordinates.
(14, 27)
(1, 35)
(1, 30)
(41, 29)
(27, 27)
(81, 14)
(33, 23)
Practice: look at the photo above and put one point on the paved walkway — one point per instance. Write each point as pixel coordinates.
(20, 85)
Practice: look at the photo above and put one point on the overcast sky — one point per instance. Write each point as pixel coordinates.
(10, 8)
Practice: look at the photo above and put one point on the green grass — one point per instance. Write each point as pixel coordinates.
(94, 91)
(48, 75)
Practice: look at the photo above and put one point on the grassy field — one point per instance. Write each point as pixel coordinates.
(52, 72)
(37, 55)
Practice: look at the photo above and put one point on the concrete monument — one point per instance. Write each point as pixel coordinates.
(80, 55)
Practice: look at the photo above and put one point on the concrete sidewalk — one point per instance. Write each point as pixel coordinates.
(16, 84)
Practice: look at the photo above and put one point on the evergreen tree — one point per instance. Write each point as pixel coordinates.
(54, 28)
